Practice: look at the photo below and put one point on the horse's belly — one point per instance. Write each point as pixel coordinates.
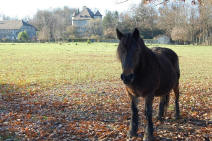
(161, 92)
(165, 87)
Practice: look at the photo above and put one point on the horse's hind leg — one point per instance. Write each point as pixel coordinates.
(164, 102)
(177, 109)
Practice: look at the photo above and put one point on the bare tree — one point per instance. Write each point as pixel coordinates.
(110, 22)
(44, 34)
(54, 22)
(173, 16)
(180, 34)
(44, 21)
(71, 31)
(145, 18)
(205, 22)
(126, 23)
(158, 2)
(193, 25)
(95, 28)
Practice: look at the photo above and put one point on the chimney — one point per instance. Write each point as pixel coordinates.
(84, 7)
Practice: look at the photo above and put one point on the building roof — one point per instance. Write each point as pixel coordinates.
(13, 24)
(85, 14)
(98, 13)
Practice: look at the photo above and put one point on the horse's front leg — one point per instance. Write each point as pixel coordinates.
(148, 135)
(134, 117)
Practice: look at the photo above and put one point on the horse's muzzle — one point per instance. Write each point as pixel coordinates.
(127, 79)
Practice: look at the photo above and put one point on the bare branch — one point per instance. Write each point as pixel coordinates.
(121, 2)
(161, 3)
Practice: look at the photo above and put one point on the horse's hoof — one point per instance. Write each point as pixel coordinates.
(178, 117)
(160, 119)
(148, 138)
(132, 134)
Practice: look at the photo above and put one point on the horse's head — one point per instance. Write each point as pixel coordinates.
(128, 52)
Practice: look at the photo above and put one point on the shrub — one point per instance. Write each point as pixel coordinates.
(88, 41)
(23, 36)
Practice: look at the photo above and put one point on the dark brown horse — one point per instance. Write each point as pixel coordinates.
(147, 73)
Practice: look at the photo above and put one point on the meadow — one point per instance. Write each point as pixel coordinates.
(73, 91)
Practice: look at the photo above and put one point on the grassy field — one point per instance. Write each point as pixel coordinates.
(50, 64)
(76, 89)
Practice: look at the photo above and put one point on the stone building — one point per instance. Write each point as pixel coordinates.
(80, 19)
(9, 29)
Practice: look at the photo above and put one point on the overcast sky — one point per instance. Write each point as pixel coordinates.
(27, 8)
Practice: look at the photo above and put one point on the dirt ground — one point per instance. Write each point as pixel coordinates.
(98, 111)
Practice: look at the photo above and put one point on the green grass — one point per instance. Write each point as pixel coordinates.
(49, 64)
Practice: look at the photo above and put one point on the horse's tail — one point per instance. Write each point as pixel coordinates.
(177, 67)
(174, 60)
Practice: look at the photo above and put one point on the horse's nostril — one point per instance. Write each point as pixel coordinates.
(132, 76)
(127, 79)
(126, 82)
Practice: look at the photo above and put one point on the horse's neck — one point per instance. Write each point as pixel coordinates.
(146, 58)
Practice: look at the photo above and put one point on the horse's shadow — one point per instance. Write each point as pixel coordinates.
(193, 122)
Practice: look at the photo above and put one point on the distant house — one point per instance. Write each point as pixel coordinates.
(163, 39)
(9, 29)
(80, 19)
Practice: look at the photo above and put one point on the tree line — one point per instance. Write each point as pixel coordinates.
(184, 23)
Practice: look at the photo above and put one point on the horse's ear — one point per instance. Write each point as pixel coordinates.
(119, 34)
(136, 33)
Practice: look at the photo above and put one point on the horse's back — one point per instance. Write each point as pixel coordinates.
(170, 54)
